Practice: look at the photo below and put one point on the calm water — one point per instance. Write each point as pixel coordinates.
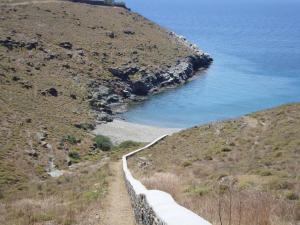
(256, 48)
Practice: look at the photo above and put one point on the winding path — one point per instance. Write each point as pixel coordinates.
(118, 210)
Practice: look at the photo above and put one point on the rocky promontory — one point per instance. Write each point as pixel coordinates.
(136, 83)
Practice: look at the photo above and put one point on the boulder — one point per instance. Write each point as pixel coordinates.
(140, 88)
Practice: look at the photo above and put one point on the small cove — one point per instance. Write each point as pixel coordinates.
(256, 51)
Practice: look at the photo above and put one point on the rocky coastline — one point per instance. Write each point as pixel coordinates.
(110, 99)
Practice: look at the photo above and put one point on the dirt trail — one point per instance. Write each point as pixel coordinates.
(118, 210)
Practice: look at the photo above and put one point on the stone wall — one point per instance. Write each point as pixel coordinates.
(153, 207)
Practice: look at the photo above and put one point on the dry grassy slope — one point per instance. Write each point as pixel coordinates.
(24, 74)
(259, 151)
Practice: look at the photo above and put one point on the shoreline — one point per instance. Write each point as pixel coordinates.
(107, 103)
(120, 130)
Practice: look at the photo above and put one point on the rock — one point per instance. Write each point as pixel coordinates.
(140, 88)
(26, 84)
(129, 32)
(16, 78)
(111, 34)
(80, 52)
(11, 44)
(31, 45)
(33, 153)
(124, 72)
(51, 91)
(112, 99)
(73, 96)
(104, 117)
(44, 144)
(126, 93)
(41, 136)
(51, 56)
(48, 146)
(66, 45)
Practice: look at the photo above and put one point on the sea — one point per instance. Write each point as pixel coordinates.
(256, 50)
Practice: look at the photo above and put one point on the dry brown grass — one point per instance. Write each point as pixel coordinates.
(259, 152)
(24, 111)
(74, 198)
(229, 206)
(166, 182)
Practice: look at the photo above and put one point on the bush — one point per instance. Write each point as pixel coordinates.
(71, 139)
(74, 156)
(292, 196)
(128, 144)
(103, 143)
(85, 126)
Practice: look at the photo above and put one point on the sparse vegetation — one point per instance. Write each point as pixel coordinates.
(66, 200)
(241, 171)
(102, 142)
(45, 76)
(74, 156)
(129, 144)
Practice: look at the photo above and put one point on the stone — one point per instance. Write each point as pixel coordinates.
(51, 91)
(16, 78)
(129, 32)
(73, 96)
(123, 72)
(111, 34)
(104, 117)
(33, 153)
(31, 44)
(66, 45)
(41, 136)
(26, 84)
(140, 88)
(112, 99)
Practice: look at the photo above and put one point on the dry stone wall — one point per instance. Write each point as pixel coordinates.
(153, 207)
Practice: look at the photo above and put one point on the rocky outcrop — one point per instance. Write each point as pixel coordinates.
(11, 44)
(135, 83)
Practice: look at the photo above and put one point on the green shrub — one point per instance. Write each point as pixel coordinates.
(226, 149)
(187, 164)
(128, 144)
(74, 156)
(103, 143)
(198, 190)
(292, 196)
(71, 139)
(85, 126)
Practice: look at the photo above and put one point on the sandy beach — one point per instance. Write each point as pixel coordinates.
(120, 130)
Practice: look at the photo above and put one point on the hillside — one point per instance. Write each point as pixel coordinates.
(64, 66)
(240, 171)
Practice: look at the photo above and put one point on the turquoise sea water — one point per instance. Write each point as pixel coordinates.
(256, 51)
